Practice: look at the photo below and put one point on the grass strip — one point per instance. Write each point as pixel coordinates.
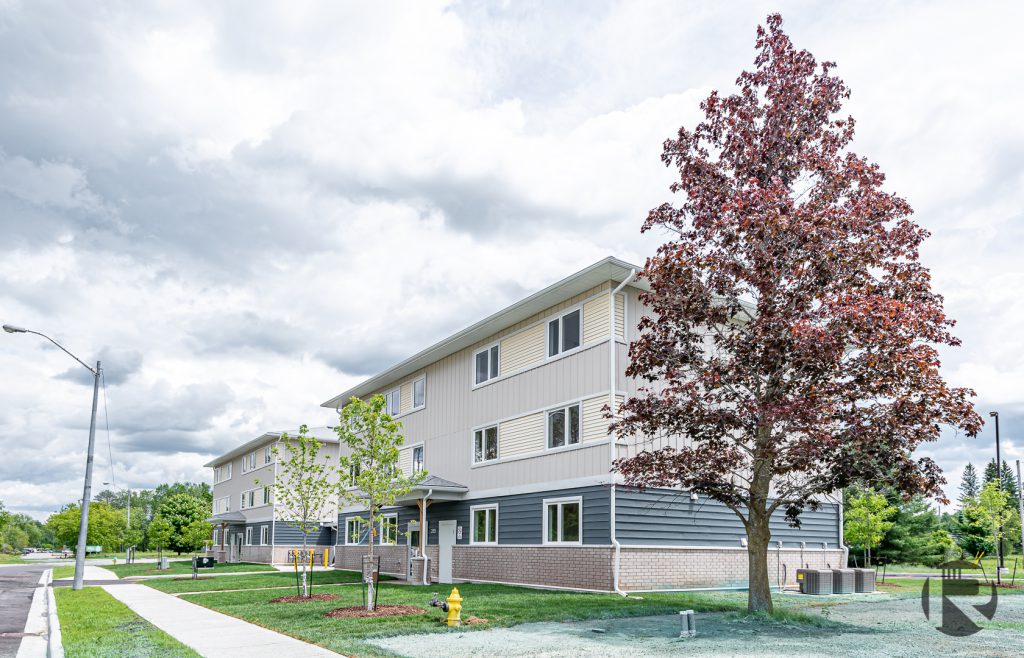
(184, 567)
(227, 582)
(96, 625)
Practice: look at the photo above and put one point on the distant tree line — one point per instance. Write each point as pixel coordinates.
(883, 527)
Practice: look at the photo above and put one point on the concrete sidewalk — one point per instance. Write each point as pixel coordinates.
(208, 632)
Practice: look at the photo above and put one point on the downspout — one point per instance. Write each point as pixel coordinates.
(423, 537)
(612, 379)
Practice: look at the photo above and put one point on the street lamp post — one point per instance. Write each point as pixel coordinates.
(999, 481)
(83, 524)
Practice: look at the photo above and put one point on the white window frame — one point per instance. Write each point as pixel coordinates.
(348, 533)
(218, 473)
(579, 429)
(216, 536)
(560, 502)
(483, 452)
(222, 505)
(248, 535)
(472, 524)
(267, 496)
(264, 535)
(561, 333)
(393, 518)
(268, 455)
(393, 398)
(419, 380)
(412, 458)
(354, 469)
(496, 367)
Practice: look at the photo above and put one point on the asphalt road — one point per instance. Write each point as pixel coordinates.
(17, 585)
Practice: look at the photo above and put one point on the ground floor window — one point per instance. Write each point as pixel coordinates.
(248, 536)
(563, 520)
(216, 536)
(389, 529)
(485, 524)
(354, 530)
(264, 535)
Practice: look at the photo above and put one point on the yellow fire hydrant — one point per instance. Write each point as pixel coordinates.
(454, 608)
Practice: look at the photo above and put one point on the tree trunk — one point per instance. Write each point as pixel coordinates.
(759, 593)
(305, 589)
(369, 583)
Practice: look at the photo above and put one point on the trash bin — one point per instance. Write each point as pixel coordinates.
(165, 563)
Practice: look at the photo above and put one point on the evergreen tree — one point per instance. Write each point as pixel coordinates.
(969, 487)
(1008, 481)
(916, 536)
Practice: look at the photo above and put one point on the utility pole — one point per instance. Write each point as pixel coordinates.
(999, 481)
(83, 523)
(1020, 504)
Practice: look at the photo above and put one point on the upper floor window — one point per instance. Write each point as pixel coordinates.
(222, 473)
(249, 462)
(485, 525)
(485, 444)
(354, 469)
(266, 495)
(564, 333)
(221, 505)
(486, 362)
(563, 521)
(564, 426)
(417, 459)
(268, 455)
(419, 393)
(392, 401)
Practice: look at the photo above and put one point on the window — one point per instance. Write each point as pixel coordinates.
(268, 455)
(389, 529)
(485, 524)
(485, 444)
(354, 469)
(563, 521)
(266, 495)
(248, 499)
(222, 505)
(353, 530)
(248, 536)
(417, 459)
(249, 462)
(564, 426)
(216, 536)
(564, 333)
(419, 393)
(264, 535)
(392, 401)
(222, 473)
(486, 362)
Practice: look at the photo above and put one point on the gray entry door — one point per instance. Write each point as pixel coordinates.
(445, 542)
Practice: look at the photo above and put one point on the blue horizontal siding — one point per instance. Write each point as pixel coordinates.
(285, 534)
(670, 518)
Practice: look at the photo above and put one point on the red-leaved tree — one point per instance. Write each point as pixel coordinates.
(792, 339)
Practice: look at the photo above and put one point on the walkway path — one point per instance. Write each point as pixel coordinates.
(210, 633)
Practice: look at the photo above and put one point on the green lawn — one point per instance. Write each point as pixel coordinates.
(989, 562)
(502, 605)
(226, 582)
(96, 625)
(184, 567)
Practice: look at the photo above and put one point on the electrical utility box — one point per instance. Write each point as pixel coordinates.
(844, 581)
(865, 580)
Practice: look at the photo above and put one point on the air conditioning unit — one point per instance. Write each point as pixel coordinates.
(844, 581)
(865, 580)
(814, 581)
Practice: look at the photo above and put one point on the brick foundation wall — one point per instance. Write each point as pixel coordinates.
(393, 559)
(580, 567)
(679, 568)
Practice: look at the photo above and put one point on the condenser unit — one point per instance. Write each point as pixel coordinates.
(844, 581)
(814, 581)
(865, 580)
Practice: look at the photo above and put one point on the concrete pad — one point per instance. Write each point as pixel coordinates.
(208, 632)
(98, 573)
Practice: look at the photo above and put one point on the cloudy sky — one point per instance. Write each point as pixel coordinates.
(244, 208)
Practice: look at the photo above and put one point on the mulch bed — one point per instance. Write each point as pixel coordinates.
(381, 611)
(295, 598)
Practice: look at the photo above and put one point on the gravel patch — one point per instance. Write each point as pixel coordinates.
(380, 611)
(882, 626)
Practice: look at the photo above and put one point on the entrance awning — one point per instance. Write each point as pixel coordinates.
(439, 488)
(226, 517)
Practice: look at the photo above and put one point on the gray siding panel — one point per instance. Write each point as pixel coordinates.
(667, 517)
(285, 534)
(520, 517)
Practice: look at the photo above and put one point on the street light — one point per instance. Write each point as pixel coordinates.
(128, 524)
(999, 482)
(83, 524)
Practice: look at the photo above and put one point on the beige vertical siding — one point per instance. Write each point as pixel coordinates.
(620, 315)
(595, 319)
(595, 425)
(405, 398)
(405, 460)
(521, 436)
(522, 350)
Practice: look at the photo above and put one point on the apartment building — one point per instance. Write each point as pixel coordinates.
(506, 418)
(248, 523)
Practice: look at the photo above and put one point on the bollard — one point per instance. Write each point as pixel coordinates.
(688, 624)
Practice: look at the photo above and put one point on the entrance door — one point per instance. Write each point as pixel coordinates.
(236, 548)
(445, 541)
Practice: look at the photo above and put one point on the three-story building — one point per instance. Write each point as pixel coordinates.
(506, 417)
